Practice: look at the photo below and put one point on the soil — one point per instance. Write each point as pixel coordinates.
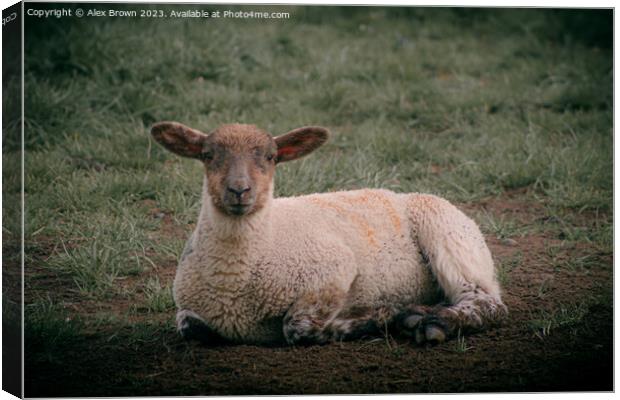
(515, 356)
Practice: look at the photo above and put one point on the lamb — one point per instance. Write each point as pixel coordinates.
(321, 267)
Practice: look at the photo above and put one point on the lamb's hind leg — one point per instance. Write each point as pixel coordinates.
(474, 310)
(462, 264)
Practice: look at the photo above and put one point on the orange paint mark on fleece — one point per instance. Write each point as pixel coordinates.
(371, 198)
(363, 225)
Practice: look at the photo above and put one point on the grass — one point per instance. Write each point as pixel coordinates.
(507, 265)
(460, 344)
(49, 329)
(565, 316)
(466, 104)
(501, 227)
(158, 297)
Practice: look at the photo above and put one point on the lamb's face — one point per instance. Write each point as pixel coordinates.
(239, 160)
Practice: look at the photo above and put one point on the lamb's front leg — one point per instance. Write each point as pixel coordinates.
(307, 320)
(318, 318)
(191, 326)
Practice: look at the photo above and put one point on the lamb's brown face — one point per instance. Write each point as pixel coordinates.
(239, 160)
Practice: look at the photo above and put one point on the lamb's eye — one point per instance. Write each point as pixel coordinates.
(269, 157)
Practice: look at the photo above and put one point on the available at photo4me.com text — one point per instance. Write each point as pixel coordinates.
(64, 12)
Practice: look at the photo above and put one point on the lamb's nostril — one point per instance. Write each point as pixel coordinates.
(238, 191)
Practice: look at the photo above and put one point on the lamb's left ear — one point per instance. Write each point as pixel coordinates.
(299, 142)
(179, 139)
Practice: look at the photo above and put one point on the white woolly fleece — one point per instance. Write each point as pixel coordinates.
(242, 274)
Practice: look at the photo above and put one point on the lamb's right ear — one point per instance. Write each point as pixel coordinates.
(179, 139)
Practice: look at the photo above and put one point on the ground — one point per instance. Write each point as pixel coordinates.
(506, 113)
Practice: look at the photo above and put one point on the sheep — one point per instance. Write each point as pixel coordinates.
(321, 267)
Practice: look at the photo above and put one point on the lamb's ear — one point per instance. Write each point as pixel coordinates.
(299, 142)
(179, 139)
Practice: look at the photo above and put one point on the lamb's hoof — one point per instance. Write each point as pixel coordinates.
(412, 321)
(425, 328)
(191, 326)
(434, 334)
(302, 332)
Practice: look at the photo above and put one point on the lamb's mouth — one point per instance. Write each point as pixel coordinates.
(239, 209)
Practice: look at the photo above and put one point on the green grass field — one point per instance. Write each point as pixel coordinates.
(482, 107)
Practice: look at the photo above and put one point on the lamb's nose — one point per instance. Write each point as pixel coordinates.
(238, 191)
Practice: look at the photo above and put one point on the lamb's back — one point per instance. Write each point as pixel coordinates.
(372, 227)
